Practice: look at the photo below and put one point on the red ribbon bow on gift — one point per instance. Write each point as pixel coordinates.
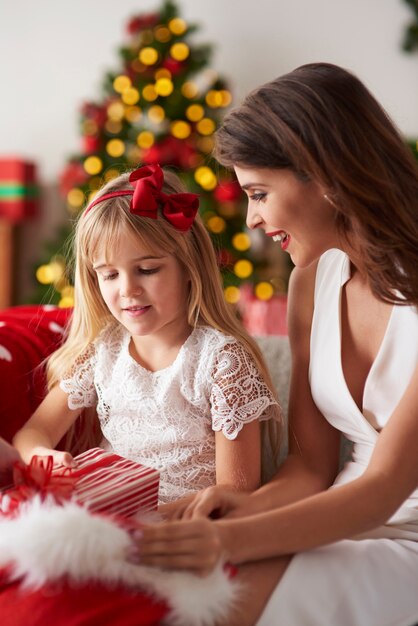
(177, 208)
(37, 478)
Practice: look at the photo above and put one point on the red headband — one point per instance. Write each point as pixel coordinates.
(177, 208)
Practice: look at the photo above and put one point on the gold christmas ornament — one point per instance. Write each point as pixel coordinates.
(195, 112)
(164, 87)
(133, 114)
(162, 73)
(232, 294)
(113, 126)
(115, 148)
(216, 224)
(93, 165)
(206, 126)
(130, 96)
(121, 83)
(111, 174)
(149, 93)
(243, 268)
(90, 127)
(205, 177)
(190, 90)
(177, 26)
(162, 34)
(241, 242)
(116, 111)
(214, 99)
(156, 114)
(180, 129)
(264, 291)
(66, 302)
(226, 98)
(180, 51)
(75, 198)
(145, 139)
(148, 56)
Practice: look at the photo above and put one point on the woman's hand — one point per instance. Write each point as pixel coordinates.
(8, 456)
(196, 546)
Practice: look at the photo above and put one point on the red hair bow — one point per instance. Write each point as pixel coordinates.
(177, 208)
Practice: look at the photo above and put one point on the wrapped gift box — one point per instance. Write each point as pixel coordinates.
(102, 481)
(18, 189)
(106, 482)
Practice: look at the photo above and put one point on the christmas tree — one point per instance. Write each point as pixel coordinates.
(163, 104)
(410, 40)
(410, 44)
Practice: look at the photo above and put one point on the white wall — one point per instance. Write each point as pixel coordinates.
(54, 54)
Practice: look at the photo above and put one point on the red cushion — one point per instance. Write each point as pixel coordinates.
(28, 334)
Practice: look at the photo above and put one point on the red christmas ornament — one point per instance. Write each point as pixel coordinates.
(228, 191)
(90, 144)
(142, 22)
(73, 175)
(224, 258)
(173, 66)
(94, 112)
(171, 151)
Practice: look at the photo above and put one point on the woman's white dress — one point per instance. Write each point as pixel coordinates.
(373, 580)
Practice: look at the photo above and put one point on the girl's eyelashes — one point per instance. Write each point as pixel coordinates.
(140, 270)
(108, 276)
(257, 196)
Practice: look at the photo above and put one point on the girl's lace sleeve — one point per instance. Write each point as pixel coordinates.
(239, 394)
(79, 382)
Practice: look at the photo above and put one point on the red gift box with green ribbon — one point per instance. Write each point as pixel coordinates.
(19, 191)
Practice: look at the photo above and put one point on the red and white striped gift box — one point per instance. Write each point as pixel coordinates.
(106, 482)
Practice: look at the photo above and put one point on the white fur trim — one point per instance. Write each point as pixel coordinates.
(47, 542)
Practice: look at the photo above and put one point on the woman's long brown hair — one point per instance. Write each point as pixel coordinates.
(321, 122)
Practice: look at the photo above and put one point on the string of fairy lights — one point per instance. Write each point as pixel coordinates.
(159, 108)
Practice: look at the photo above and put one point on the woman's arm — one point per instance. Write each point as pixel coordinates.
(41, 433)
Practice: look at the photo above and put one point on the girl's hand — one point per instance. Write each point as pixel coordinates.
(217, 501)
(175, 510)
(59, 457)
(8, 456)
(196, 546)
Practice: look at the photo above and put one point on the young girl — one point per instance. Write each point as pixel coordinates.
(177, 383)
(331, 180)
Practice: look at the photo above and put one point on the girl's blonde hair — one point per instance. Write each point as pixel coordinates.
(101, 229)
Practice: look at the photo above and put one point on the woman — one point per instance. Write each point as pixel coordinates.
(330, 179)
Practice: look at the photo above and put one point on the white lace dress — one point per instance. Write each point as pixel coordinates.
(166, 419)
